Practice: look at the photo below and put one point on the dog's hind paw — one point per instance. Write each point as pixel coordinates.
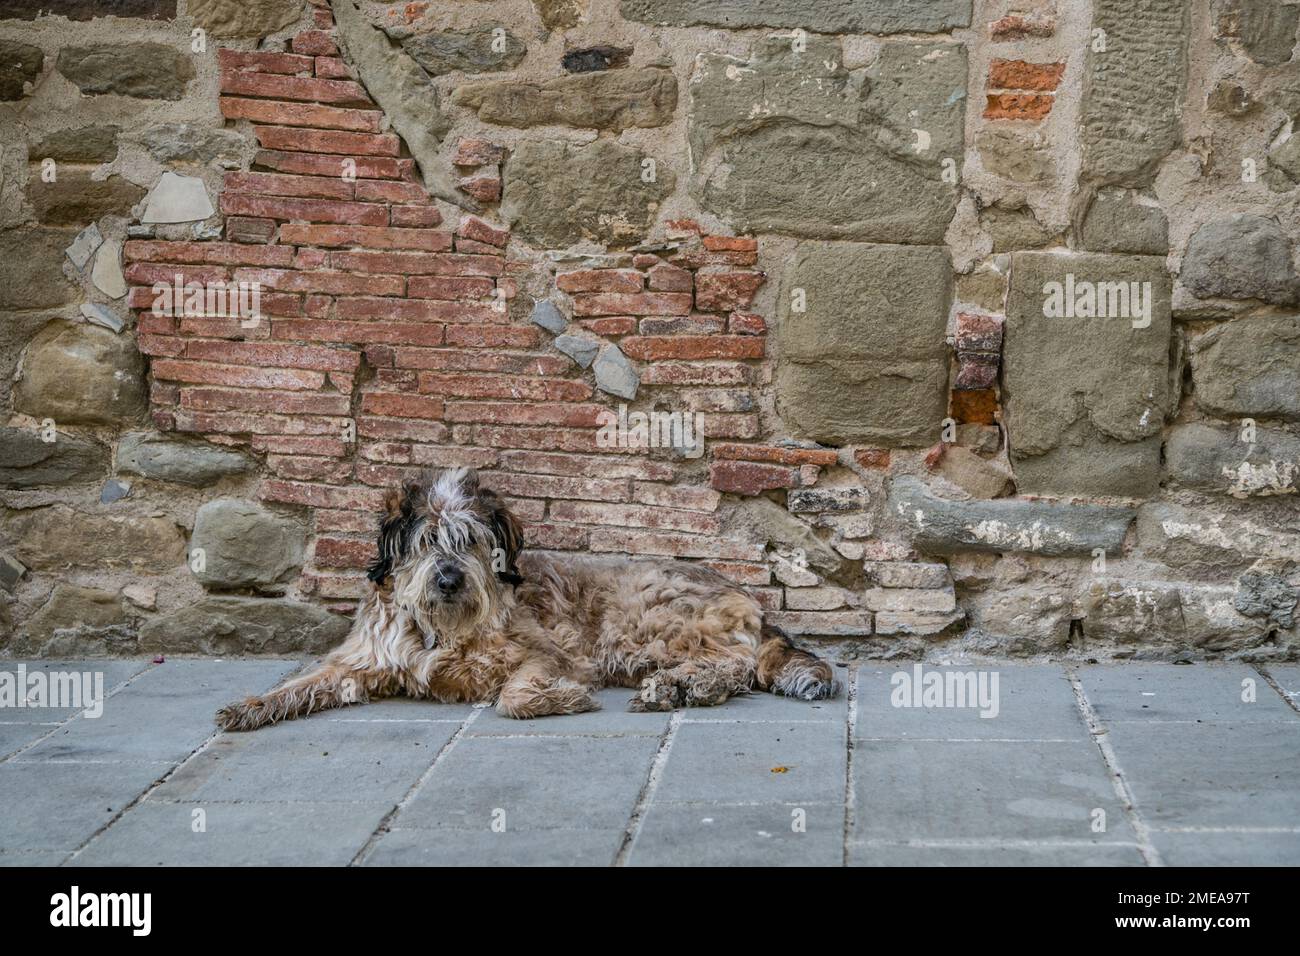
(658, 693)
(242, 715)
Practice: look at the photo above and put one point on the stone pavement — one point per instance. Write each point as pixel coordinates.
(1126, 765)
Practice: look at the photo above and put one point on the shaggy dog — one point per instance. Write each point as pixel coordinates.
(450, 618)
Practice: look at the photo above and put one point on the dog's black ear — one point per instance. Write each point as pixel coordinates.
(394, 531)
(507, 531)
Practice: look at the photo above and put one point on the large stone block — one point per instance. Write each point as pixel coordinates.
(28, 462)
(819, 16)
(1249, 367)
(82, 374)
(31, 268)
(614, 100)
(20, 63)
(1208, 543)
(557, 194)
(1240, 257)
(239, 18)
(478, 49)
(1133, 89)
(176, 459)
(1221, 460)
(76, 621)
(241, 625)
(866, 361)
(1122, 222)
(244, 546)
(143, 70)
(58, 537)
(945, 527)
(89, 9)
(75, 199)
(1085, 371)
(869, 150)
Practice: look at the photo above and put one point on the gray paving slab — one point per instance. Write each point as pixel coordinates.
(716, 835)
(58, 806)
(1032, 703)
(397, 709)
(774, 707)
(1168, 692)
(612, 718)
(1288, 678)
(766, 762)
(302, 761)
(235, 834)
(32, 857)
(1099, 854)
(420, 847)
(928, 790)
(532, 783)
(13, 737)
(1211, 775)
(1228, 849)
(114, 672)
(164, 714)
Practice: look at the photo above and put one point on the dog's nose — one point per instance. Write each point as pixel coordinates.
(449, 579)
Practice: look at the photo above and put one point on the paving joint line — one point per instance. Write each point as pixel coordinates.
(634, 822)
(1100, 737)
(1271, 681)
(385, 824)
(851, 726)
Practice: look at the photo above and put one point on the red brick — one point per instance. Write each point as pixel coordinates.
(277, 184)
(729, 244)
(477, 152)
(398, 453)
(976, 370)
(643, 303)
(650, 348)
(453, 457)
(310, 469)
(1015, 26)
(314, 43)
(746, 323)
(472, 227)
(331, 67)
(975, 407)
(743, 573)
(327, 141)
(977, 332)
(450, 288)
(238, 423)
(610, 325)
(497, 336)
(496, 361)
(776, 454)
(682, 228)
(279, 87)
(313, 164)
(299, 445)
(1018, 106)
(685, 373)
(622, 466)
(486, 188)
(247, 229)
(401, 406)
(426, 310)
(300, 114)
(147, 273)
(552, 486)
(319, 280)
(670, 544)
(417, 263)
(262, 62)
(214, 253)
(416, 215)
(251, 400)
(373, 237)
(344, 552)
(386, 190)
(676, 496)
(310, 259)
(212, 374)
(497, 386)
(555, 537)
(164, 345)
(725, 291)
(600, 280)
(323, 496)
(1020, 75)
(668, 278)
(548, 439)
(750, 478)
(305, 210)
(476, 248)
(635, 516)
(405, 429)
(275, 354)
(393, 333)
(567, 415)
(696, 324)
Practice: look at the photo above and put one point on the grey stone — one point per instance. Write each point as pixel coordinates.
(405, 93)
(1231, 99)
(107, 273)
(834, 500)
(31, 268)
(906, 574)
(917, 623)
(613, 717)
(473, 50)
(861, 364)
(977, 476)
(76, 621)
(76, 197)
(78, 144)
(1030, 619)
(102, 316)
(1240, 257)
(236, 18)
(20, 64)
(82, 374)
(84, 246)
(1130, 118)
(557, 193)
(1013, 230)
(1268, 596)
(57, 537)
(142, 70)
(560, 14)
(1249, 367)
(1005, 525)
(613, 100)
(767, 522)
(728, 835)
(1118, 221)
(1272, 848)
(1164, 693)
(923, 600)
(971, 854)
(1205, 542)
(1086, 397)
(1023, 156)
(581, 349)
(195, 144)
(403, 847)
(615, 374)
(1267, 30)
(592, 58)
(244, 545)
(864, 172)
(168, 458)
(818, 16)
(27, 462)
(62, 805)
(219, 624)
(1217, 459)
(114, 490)
(236, 834)
(548, 317)
(11, 571)
(176, 198)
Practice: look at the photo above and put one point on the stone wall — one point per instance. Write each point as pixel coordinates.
(987, 310)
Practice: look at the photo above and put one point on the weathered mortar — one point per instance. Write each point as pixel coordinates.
(1173, 451)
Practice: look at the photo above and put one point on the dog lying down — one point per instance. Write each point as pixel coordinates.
(451, 619)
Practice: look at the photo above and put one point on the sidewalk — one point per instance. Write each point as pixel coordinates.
(1183, 769)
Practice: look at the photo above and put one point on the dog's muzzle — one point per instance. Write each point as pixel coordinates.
(448, 579)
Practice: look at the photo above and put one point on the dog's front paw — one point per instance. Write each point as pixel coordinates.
(248, 714)
(658, 693)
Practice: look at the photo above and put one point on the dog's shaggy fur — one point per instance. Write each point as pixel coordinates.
(452, 619)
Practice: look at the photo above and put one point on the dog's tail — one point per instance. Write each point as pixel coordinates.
(785, 669)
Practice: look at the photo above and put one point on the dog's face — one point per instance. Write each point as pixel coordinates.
(449, 548)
